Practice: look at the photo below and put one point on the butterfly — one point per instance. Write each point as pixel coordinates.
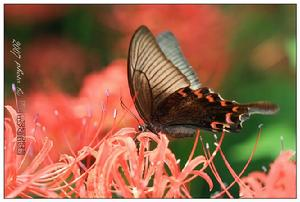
(169, 96)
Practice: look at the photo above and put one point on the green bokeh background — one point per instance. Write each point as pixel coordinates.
(259, 23)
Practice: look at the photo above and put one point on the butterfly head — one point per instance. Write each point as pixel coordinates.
(142, 128)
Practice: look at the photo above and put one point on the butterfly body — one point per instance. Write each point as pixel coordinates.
(169, 96)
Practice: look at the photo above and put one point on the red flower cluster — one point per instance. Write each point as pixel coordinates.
(121, 168)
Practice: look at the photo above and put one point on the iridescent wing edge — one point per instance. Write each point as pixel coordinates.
(172, 51)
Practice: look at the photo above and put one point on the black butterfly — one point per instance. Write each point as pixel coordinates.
(168, 95)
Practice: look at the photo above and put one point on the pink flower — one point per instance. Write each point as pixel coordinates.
(279, 182)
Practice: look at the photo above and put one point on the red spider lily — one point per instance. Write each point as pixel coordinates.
(279, 182)
(125, 170)
(202, 31)
(19, 170)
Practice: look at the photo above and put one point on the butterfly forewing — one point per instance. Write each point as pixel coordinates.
(152, 76)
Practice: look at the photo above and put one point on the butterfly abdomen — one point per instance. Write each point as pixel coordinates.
(265, 108)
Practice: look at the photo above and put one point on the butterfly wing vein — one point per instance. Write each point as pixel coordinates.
(152, 76)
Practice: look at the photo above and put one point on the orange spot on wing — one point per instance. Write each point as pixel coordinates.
(223, 103)
(198, 94)
(228, 119)
(210, 98)
(182, 93)
(235, 109)
(223, 126)
(214, 125)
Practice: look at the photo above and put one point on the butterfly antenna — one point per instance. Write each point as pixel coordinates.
(128, 110)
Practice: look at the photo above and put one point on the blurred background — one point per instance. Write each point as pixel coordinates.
(73, 56)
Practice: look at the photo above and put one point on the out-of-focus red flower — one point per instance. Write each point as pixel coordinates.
(106, 88)
(112, 78)
(202, 32)
(81, 119)
(30, 14)
(279, 182)
(55, 114)
(51, 61)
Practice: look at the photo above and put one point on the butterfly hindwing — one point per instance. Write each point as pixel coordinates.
(187, 109)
